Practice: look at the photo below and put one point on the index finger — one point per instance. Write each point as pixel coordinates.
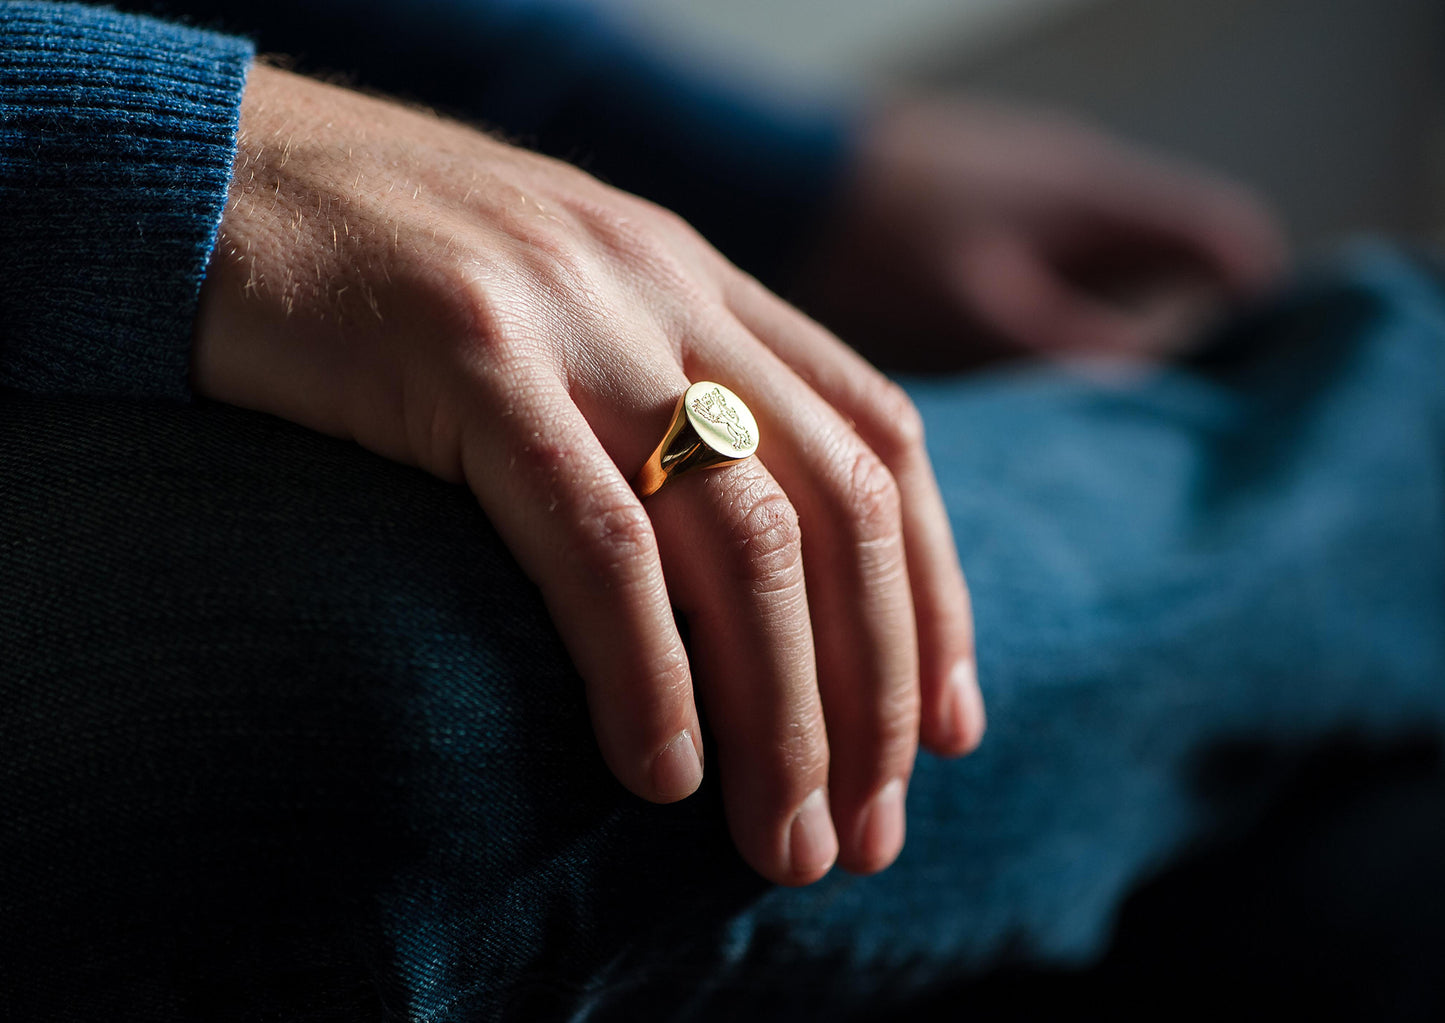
(574, 524)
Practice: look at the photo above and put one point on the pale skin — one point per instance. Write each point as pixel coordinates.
(505, 321)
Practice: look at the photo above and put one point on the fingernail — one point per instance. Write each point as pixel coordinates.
(964, 715)
(813, 844)
(880, 829)
(677, 770)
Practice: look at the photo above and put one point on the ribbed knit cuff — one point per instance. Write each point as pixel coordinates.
(116, 139)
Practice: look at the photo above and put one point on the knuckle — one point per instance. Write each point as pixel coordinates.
(803, 766)
(683, 237)
(874, 506)
(471, 309)
(670, 221)
(659, 221)
(493, 319)
(900, 430)
(767, 533)
(620, 230)
(620, 531)
(643, 238)
(658, 706)
(547, 459)
(614, 541)
(671, 688)
(803, 755)
(553, 259)
(900, 711)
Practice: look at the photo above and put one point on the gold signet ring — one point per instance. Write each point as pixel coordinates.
(710, 427)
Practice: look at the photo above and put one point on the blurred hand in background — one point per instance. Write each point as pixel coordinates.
(971, 231)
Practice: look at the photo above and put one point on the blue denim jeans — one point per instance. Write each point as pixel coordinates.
(286, 734)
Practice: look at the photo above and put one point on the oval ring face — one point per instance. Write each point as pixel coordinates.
(721, 419)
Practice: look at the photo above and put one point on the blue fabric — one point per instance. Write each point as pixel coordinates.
(284, 732)
(116, 139)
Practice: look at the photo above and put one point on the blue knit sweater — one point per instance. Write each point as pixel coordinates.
(116, 138)
(117, 132)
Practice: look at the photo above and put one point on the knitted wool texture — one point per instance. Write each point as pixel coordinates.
(117, 134)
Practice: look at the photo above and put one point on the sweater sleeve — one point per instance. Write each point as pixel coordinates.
(116, 139)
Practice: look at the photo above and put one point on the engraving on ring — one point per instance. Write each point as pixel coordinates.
(714, 407)
(710, 427)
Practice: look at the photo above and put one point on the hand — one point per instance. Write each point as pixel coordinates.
(504, 320)
(971, 231)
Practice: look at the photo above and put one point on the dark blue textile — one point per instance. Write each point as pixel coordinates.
(116, 137)
(285, 734)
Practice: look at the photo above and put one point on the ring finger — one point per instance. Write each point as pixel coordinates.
(864, 634)
(731, 553)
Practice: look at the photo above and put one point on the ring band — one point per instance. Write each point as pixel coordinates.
(710, 427)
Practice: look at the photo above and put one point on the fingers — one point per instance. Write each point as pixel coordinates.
(1225, 227)
(733, 554)
(732, 550)
(593, 554)
(858, 595)
(886, 423)
(1011, 288)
